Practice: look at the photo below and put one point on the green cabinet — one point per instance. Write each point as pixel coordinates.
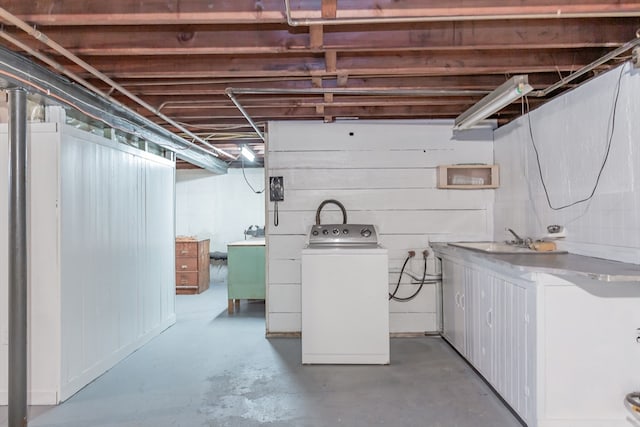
(246, 266)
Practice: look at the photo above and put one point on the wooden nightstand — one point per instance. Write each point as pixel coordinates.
(192, 266)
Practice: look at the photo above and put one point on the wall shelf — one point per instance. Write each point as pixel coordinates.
(468, 176)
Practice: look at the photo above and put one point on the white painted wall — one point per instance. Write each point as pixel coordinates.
(218, 207)
(101, 257)
(571, 133)
(116, 255)
(44, 271)
(385, 174)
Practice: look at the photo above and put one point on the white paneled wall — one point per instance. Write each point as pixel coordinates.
(385, 174)
(101, 257)
(44, 272)
(117, 256)
(571, 134)
(218, 207)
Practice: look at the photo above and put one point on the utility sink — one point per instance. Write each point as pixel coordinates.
(502, 248)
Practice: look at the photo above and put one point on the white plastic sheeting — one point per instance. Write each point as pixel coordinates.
(571, 133)
(101, 257)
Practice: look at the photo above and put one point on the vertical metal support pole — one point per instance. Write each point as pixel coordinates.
(17, 258)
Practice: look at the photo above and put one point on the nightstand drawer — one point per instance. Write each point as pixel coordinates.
(186, 264)
(186, 279)
(186, 249)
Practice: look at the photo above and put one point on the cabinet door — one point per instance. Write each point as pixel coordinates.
(485, 285)
(453, 327)
(512, 346)
(246, 272)
(473, 326)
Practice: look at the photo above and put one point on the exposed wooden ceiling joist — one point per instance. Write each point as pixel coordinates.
(181, 55)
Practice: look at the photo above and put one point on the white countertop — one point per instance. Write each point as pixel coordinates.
(248, 242)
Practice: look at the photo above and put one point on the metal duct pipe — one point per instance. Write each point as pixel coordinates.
(53, 64)
(19, 71)
(9, 17)
(17, 258)
(552, 13)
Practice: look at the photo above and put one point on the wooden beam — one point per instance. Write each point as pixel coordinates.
(330, 59)
(410, 63)
(54, 12)
(291, 113)
(315, 37)
(489, 10)
(211, 104)
(172, 87)
(274, 39)
(329, 9)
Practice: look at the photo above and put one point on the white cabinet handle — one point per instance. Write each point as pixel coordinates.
(184, 266)
(489, 318)
(462, 299)
(456, 298)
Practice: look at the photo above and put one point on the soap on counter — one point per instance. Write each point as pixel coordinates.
(544, 246)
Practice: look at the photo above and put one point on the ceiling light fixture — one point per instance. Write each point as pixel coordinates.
(514, 88)
(248, 153)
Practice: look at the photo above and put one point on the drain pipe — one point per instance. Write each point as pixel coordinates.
(550, 13)
(9, 17)
(230, 94)
(17, 410)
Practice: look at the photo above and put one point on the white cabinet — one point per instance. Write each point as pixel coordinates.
(488, 319)
(480, 332)
(509, 340)
(561, 351)
(453, 305)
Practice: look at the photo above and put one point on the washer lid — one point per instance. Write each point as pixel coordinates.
(343, 235)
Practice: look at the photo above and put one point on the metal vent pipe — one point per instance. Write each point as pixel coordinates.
(17, 258)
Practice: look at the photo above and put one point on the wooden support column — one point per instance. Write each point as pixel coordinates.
(330, 59)
(316, 37)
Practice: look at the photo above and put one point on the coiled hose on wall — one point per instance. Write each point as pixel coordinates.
(392, 296)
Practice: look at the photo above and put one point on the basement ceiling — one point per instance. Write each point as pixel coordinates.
(180, 56)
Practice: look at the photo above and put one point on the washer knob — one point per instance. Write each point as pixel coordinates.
(335, 231)
(325, 231)
(345, 231)
(315, 232)
(365, 232)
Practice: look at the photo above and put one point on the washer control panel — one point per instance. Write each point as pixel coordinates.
(343, 235)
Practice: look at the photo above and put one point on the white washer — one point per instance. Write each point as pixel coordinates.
(345, 306)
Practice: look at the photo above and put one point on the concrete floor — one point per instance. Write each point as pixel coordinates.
(212, 369)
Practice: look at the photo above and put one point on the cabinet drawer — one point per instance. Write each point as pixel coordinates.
(186, 264)
(186, 279)
(186, 249)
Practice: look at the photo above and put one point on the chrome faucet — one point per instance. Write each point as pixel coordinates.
(519, 241)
